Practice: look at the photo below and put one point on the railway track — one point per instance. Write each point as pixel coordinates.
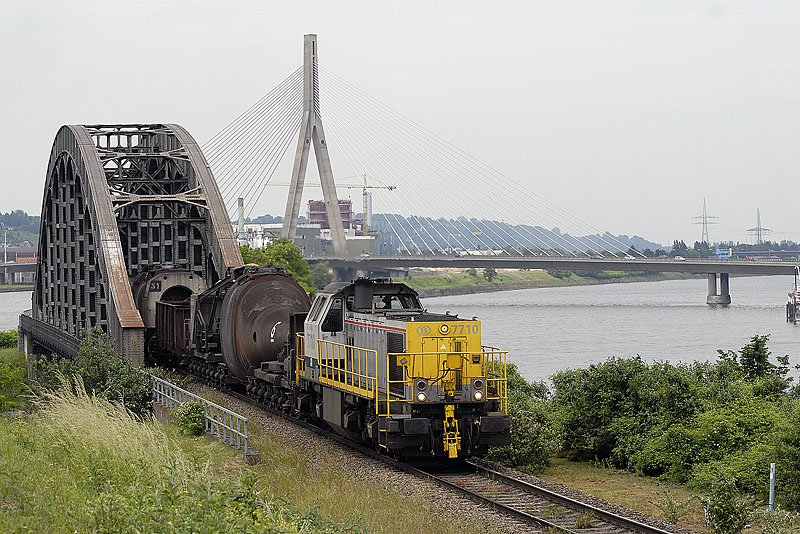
(535, 504)
(519, 499)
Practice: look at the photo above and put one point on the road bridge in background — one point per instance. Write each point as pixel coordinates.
(718, 272)
(17, 273)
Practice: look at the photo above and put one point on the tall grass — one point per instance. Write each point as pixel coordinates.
(12, 379)
(82, 463)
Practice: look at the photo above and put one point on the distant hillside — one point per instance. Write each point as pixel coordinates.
(21, 227)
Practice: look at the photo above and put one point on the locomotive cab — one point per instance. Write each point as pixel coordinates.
(385, 370)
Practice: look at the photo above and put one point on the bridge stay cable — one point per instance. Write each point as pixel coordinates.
(344, 140)
(458, 178)
(239, 175)
(261, 130)
(431, 158)
(411, 167)
(270, 163)
(385, 143)
(239, 133)
(261, 160)
(259, 140)
(396, 166)
(244, 117)
(592, 239)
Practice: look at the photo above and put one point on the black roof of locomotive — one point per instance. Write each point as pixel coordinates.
(380, 285)
(384, 286)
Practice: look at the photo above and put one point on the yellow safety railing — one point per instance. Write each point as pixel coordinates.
(300, 357)
(494, 362)
(348, 368)
(493, 370)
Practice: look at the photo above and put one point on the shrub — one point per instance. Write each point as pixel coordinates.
(8, 339)
(191, 418)
(778, 522)
(102, 371)
(534, 431)
(787, 478)
(726, 510)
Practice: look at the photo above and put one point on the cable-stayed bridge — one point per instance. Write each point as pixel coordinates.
(433, 203)
(445, 200)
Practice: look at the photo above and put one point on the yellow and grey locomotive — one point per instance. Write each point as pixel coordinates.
(374, 365)
(366, 360)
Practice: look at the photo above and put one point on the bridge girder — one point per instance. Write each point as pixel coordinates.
(119, 201)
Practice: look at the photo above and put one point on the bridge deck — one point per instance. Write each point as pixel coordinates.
(506, 262)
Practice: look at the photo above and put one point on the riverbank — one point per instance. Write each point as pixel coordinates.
(472, 281)
(15, 288)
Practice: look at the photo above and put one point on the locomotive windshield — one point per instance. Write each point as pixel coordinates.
(389, 301)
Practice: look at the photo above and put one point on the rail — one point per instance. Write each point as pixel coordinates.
(226, 426)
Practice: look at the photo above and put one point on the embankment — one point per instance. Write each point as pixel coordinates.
(447, 284)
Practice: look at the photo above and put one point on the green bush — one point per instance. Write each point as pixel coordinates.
(102, 371)
(8, 339)
(190, 418)
(534, 430)
(282, 253)
(688, 423)
(787, 477)
(727, 511)
(778, 522)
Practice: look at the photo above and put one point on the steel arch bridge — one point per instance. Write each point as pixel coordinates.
(122, 201)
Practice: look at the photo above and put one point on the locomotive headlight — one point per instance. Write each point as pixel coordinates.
(422, 385)
(477, 383)
(421, 396)
(444, 329)
(478, 395)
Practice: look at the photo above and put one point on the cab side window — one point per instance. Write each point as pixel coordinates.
(334, 320)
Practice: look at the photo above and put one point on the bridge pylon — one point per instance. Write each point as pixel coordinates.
(131, 214)
(312, 132)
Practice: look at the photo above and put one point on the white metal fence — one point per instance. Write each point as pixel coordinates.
(221, 423)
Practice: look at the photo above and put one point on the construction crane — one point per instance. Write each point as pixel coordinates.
(365, 194)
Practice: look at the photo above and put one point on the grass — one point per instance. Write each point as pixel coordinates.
(12, 378)
(328, 485)
(648, 495)
(457, 281)
(82, 464)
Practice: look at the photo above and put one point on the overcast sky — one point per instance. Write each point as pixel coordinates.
(627, 113)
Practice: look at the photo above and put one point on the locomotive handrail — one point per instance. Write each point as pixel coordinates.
(221, 423)
(347, 367)
(493, 370)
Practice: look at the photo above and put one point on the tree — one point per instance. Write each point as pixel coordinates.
(490, 273)
(282, 253)
(701, 250)
(679, 248)
(321, 275)
(753, 359)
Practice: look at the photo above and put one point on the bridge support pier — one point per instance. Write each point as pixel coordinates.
(723, 296)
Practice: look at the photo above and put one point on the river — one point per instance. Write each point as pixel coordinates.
(551, 329)
(547, 330)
